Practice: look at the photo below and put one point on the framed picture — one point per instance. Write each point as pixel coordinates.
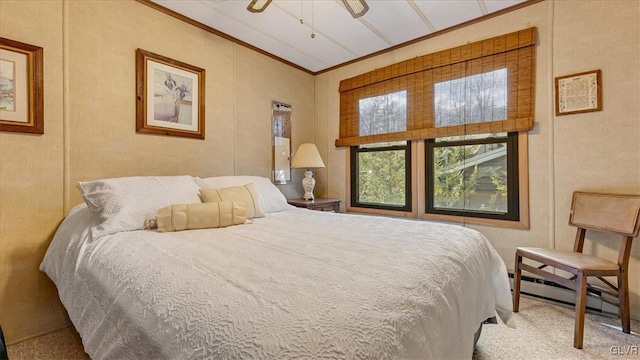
(578, 93)
(21, 87)
(169, 96)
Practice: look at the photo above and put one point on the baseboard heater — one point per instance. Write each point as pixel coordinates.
(548, 290)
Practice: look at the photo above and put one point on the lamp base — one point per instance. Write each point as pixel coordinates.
(308, 183)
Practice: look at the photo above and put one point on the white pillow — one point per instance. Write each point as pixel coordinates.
(271, 198)
(123, 204)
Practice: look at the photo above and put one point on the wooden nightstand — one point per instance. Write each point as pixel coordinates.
(317, 204)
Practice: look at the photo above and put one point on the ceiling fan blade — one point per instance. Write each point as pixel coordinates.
(356, 8)
(258, 6)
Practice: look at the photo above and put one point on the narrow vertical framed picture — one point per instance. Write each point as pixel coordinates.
(169, 96)
(21, 87)
(579, 93)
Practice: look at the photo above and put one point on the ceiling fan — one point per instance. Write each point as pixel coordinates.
(356, 8)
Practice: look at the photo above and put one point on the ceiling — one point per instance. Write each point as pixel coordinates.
(339, 38)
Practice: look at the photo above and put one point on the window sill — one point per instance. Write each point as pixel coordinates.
(522, 224)
(392, 213)
(417, 166)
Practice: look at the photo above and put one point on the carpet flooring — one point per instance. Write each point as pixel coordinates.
(544, 331)
(63, 344)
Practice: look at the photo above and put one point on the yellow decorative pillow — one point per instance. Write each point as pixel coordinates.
(245, 194)
(200, 216)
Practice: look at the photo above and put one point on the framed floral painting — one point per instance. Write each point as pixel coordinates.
(169, 96)
(21, 87)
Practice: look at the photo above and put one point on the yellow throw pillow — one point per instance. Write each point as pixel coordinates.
(200, 216)
(245, 194)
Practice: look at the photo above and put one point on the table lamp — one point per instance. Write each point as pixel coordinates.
(307, 157)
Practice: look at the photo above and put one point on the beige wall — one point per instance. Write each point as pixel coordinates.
(597, 151)
(89, 52)
(90, 123)
(240, 85)
(31, 182)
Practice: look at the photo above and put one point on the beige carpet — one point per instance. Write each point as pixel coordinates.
(544, 331)
(63, 344)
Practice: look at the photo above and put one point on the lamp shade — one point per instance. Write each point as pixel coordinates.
(307, 156)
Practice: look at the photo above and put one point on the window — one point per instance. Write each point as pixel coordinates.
(462, 115)
(474, 176)
(383, 114)
(381, 176)
(381, 172)
(471, 99)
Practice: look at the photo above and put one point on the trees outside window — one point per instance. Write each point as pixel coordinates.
(473, 175)
(471, 99)
(383, 114)
(381, 176)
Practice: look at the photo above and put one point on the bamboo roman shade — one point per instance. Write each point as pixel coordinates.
(503, 67)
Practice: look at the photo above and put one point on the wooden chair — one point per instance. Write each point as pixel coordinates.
(608, 213)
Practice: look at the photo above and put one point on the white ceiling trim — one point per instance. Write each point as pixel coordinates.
(376, 31)
(422, 16)
(483, 7)
(368, 25)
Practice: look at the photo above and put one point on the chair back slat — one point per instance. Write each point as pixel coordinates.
(614, 213)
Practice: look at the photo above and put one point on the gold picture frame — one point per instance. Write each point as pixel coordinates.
(170, 96)
(21, 87)
(579, 93)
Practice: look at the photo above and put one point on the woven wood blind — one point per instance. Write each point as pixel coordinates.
(514, 52)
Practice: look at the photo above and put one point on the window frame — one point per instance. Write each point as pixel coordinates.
(513, 197)
(516, 51)
(354, 171)
(418, 198)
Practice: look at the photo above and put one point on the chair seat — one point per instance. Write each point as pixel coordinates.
(572, 259)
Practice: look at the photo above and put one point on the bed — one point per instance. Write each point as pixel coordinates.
(295, 283)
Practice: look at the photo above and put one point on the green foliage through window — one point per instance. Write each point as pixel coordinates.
(473, 176)
(453, 185)
(380, 176)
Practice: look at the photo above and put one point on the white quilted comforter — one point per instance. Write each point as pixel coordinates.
(297, 284)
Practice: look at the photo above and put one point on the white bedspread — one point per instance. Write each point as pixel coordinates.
(297, 284)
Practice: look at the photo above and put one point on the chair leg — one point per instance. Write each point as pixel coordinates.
(517, 274)
(623, 296)
(581, 307)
